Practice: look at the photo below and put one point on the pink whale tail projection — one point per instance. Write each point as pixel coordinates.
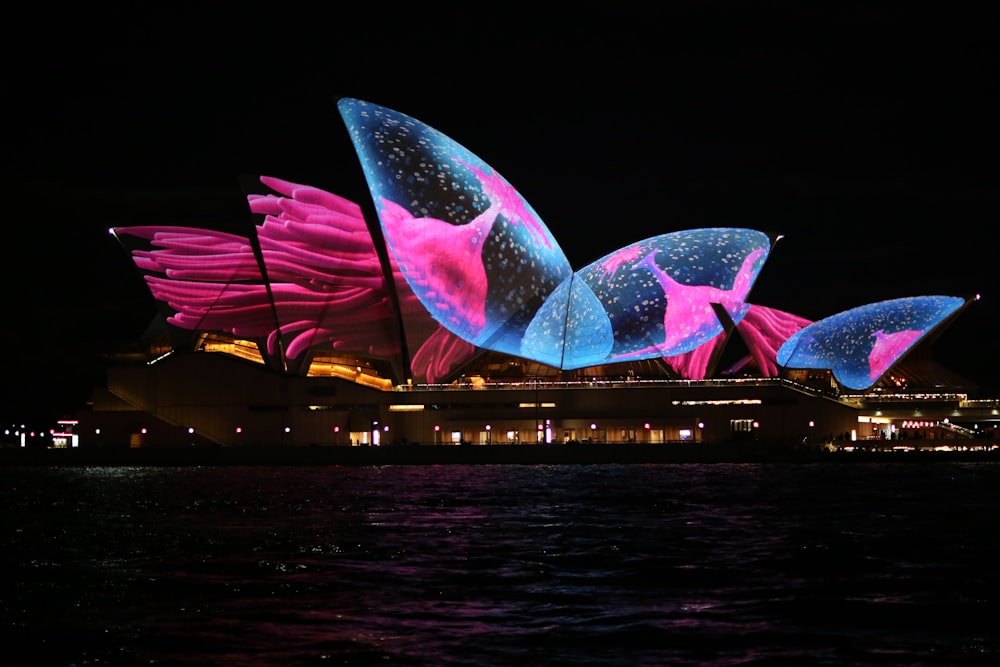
(887, 349)
(444, 262)
(689, 307)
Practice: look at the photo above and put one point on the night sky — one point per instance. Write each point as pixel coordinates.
(866, 136)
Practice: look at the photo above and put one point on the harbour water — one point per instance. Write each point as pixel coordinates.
(868, 563)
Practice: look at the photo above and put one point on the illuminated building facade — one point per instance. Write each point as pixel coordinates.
(447, 313)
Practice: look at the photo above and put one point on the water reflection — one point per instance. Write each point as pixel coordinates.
(499, 565)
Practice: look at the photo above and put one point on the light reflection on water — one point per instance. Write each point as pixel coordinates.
(686, 564)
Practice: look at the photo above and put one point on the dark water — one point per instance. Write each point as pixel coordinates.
(800, 564)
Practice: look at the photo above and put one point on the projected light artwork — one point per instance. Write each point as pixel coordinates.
(323, 272)
(472, 250)
(627, 306)
(861, 344)
(469, 266)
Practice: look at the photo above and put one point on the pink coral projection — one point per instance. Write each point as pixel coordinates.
(325, 275)
(693, 365)
(764, 330)
(325, 283)
(310, 228)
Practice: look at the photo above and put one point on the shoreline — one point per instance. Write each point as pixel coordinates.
(474, 455)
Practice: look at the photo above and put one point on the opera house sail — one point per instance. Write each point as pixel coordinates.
(458, 267)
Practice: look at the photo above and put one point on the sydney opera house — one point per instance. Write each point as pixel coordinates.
(443, 311)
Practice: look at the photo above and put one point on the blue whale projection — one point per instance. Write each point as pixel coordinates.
(859, 345)
(469, 266)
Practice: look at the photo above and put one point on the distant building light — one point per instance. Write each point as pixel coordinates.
(406, 408)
